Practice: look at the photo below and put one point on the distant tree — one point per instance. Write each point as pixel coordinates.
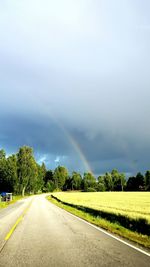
(100, 179)
(131, 184)
(32, 186)
(108, 181)
(118, 180)
(35, 183)
(68, 184)
(2, 154)
(100, 184)
(43, 171)
(100, 187)
(139, 181)
(135, 183)
(122, 181)
(11, 174)
(88, 181)
(48, 176)
(115, 179)
(27, 169)
(60, 176)
(147, 181)
(20, 173)
(50, 186)
(3, 173)
(40, 177)
(76, 181)
(48, 180)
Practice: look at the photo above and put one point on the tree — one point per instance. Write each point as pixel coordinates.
(43, 170)
(135, 183)
(131, 184)
(89, 182)
(2, 154)
(32, 186)
(118, 180)
(122, 181)
(147, 181)
(60, 176)
(40, 177)
(50, 186)
(27, 169)
(108, 181)
(100, 184)
(76, 180)
(48, 177)
(11, 174)
(68, 184)
(8, 173)
(139, 181)
(3, 174)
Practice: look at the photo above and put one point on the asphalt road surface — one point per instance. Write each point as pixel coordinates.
(46, 235)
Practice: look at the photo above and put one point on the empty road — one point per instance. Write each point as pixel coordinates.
(46, 235)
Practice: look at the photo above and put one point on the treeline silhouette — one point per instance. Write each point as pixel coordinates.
(20, 174)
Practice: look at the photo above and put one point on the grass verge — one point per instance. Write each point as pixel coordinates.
(112, 227)
(6, 204)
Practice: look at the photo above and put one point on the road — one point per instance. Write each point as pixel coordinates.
(49, 236)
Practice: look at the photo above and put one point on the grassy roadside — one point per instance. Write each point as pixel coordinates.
(6, 204)
(115, 228)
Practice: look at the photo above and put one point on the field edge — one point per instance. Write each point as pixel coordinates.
(138, 239)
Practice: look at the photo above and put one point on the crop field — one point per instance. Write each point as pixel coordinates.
(126, 214)
(134, 205)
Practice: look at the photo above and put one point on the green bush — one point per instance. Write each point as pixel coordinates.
(57, 190)
(91, 189)
(100, 187)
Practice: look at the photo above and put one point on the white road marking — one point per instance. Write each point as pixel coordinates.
(105, 232)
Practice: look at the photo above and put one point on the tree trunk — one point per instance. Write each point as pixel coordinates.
(23, 190)
(121, 187)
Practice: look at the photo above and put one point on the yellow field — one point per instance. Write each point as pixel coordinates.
(131, 204)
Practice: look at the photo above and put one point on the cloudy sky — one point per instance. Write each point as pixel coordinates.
(75, 82)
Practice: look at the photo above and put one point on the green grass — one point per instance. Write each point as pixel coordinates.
(118, 212)
(6, 204)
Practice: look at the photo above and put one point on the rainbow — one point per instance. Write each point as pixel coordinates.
(78, 150)
(74, 144)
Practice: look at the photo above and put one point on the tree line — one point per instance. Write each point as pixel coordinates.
(20, 174)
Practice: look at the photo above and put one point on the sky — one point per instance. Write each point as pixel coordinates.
(75, 82)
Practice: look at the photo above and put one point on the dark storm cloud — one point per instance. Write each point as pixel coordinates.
(79, 69)
(44, 135)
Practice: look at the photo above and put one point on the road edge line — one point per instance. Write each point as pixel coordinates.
(105, 232)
